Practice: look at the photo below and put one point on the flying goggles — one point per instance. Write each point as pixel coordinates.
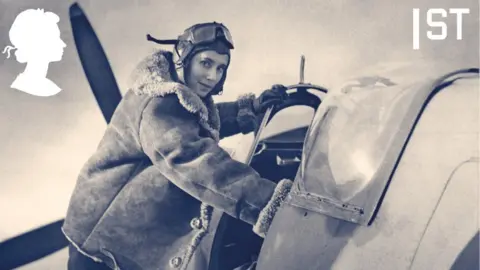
(198, 34)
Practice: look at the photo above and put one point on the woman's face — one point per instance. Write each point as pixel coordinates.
(206, 70)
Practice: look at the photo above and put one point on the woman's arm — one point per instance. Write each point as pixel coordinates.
(245, 114)
(237, 116)
(170, 136)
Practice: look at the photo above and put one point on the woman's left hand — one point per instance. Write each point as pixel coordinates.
(273, 96)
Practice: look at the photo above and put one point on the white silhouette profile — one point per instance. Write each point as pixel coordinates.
(36, 37)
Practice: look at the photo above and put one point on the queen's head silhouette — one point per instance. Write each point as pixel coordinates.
(36, 37)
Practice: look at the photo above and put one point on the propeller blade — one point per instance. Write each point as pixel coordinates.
(32, 246)
(95, 63)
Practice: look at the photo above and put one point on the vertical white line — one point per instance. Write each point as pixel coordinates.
(416, 30)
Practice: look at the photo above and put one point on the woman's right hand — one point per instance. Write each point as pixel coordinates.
(270, 97)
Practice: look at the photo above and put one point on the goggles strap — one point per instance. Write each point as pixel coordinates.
(162, 41)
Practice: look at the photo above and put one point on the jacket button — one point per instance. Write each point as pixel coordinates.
(175, 262)
(196, 223)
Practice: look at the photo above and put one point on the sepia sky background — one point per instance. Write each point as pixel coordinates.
(45, 141)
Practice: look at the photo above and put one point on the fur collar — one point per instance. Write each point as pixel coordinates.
(153, 77)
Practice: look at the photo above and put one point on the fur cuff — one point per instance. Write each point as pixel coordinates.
(246, 118)
(246, 101)
(268, 213)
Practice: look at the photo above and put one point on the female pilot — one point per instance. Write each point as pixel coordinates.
(144, 200)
